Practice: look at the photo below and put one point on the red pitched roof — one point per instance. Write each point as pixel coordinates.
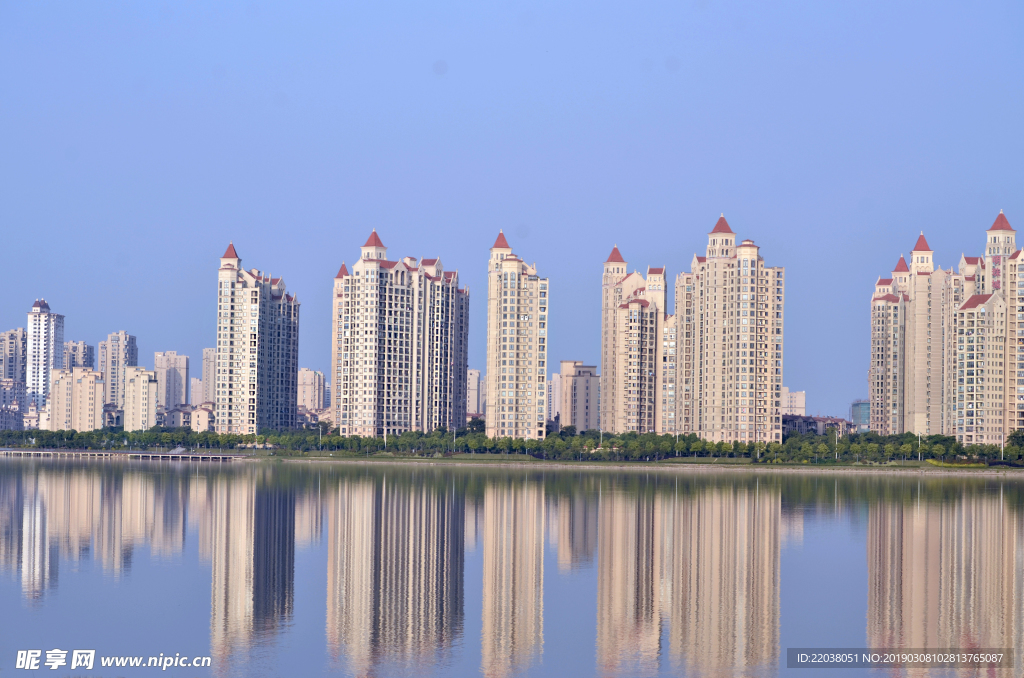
(1001, 224)
(721, 226)
(373, 240)
(921, 245)
(642, 302)
(884, 281)
(701, 260)
(886, 297)
(500, 243)
(615, 257)
(901, 266)
(230, 253)
(975, 301)
(1015, 254)
(429, 262)
(656, 271)
(343, 271)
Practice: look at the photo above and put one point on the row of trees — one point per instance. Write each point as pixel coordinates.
(565, 445)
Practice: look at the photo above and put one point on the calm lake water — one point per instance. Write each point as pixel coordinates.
(381, 570)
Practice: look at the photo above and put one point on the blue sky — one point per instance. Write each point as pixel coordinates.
(139, 138)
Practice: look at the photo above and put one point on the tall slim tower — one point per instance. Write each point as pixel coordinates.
(117, 352)
(45, 350)
(257, 350)
(517, 313)
(209, 375)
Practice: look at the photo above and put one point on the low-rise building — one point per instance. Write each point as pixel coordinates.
(11, 418)
(802, 424)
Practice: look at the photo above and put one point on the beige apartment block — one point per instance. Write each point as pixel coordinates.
(399, 353)
(118, 352)
(794, 402)
(195, 391)
(141, 395)
(580, 395)
(633, 319)
(553, 402)
(172, 377)
(517, 312)
(944, 344)
(311, 389)
(76, 400)
(714, 367)
(257, 350)
(44, 351)
(13, 354)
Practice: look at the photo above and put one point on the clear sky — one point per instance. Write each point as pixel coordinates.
(137, 139)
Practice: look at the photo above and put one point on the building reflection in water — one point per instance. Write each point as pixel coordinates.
(704, 563)
(251, 548)
(946, 574)
(572, 529)
(395, 573)
(512, 634)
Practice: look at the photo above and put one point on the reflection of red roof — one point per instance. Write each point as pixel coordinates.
(884, 281)
(343, 271)
(721, 226)
(230, 253)
(374, 240)
(1001, 224)
(975, 301)
(921, 245)
(901, 266)
(615, 257)
(501, 243)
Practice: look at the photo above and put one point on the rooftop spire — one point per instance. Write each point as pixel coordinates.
(901, 266)
(615, 257)
(921, 245)
(373, 240)
(342, 272)
(721, 226)
(500, 243)
(230, 253)
(1001, 224)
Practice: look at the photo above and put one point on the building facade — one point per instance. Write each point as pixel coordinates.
(76, 401)
(44, 351)
(553, 402)
(944, 343)
(580, 396)
(117, 352)
(257, 350)
(714, 367)
(473, 394)
(311, 389)
(209, 375)
(14, 355)
(79, 354)
(399, 350)
(172, 378)
(517, 318)
(794, 402)
(141, 396)
(195, 391)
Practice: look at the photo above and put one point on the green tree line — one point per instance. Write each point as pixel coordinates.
(567, 445)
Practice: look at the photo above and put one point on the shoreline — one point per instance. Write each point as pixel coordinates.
(557, 465)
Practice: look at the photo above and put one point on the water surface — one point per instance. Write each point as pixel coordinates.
(380, 570)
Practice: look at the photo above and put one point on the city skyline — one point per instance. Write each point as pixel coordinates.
(824, 150)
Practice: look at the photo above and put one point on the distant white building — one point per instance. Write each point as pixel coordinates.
(311, 389)
(45, 351)
(794, 402)
(209, 370)
(473, 403)
(195, 391)
(580, 387)
(554, 396)
(117, 352)
(172, 378)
